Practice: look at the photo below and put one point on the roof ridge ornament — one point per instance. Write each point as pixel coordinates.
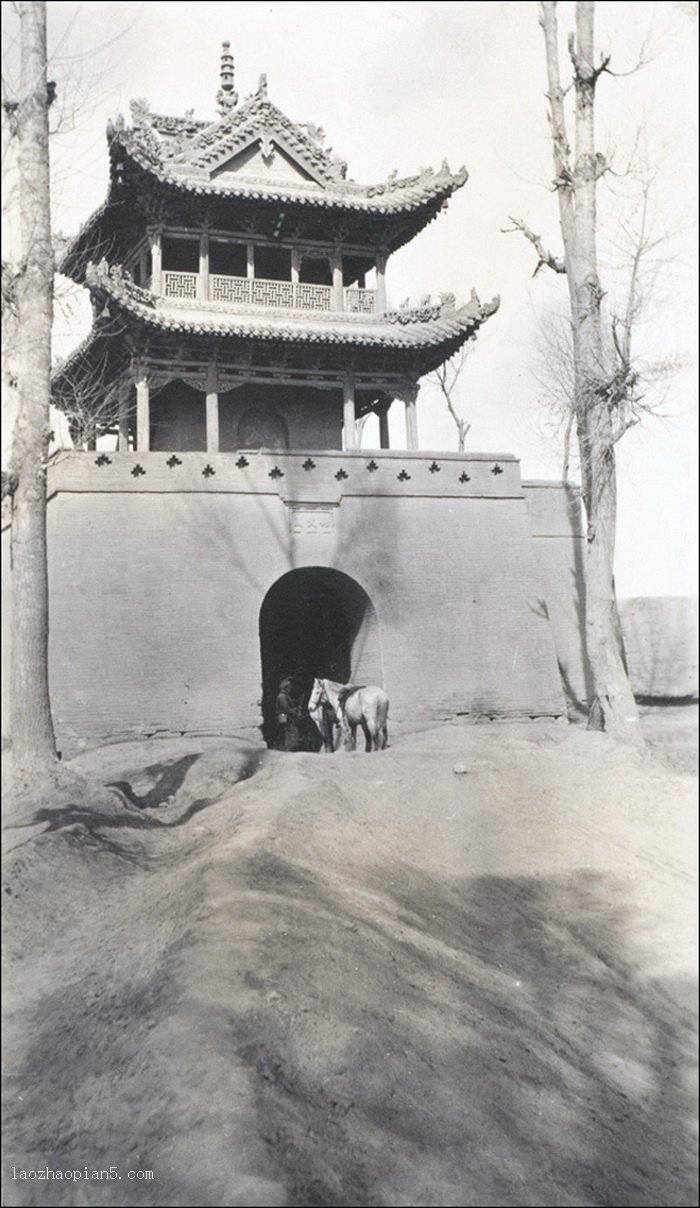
(226, 97)
(140, 112)
(316, 133)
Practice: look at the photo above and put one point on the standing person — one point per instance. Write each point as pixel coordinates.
(287, 718)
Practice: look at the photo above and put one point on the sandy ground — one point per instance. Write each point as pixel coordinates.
(461, 971)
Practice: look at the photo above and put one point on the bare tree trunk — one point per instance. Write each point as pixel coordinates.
(613, 708)
(33, 741)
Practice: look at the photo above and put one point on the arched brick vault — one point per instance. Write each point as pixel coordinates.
(316, 621)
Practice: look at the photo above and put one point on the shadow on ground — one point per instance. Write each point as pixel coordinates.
(501, 1047)
(127, 811)
(409, 1040)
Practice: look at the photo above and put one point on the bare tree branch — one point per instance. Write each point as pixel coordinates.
(545, 258)
(447, 377)
(585, 74)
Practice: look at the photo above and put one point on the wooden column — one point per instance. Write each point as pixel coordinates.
(380, 306)
(143, 412)
(384, 428)
(411, 424)
(125, 396)
(408, 396)
(296, 265)
(156, 237)
(250, 260)
(143, 269)
(337, 300)
(203, 278)
(349, 429)
(212, 410)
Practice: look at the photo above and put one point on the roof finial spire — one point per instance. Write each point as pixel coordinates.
(227, 97)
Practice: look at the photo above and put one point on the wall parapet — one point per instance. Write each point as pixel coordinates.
(305, 475)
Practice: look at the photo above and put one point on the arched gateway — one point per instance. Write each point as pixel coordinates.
(316, 622)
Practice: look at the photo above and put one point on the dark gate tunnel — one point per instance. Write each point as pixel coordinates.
(314, 622)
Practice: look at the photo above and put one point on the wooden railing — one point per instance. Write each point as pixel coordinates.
(256, 291)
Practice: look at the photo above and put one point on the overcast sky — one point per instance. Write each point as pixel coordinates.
(406, 85)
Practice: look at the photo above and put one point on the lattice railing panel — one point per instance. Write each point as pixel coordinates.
(312, 297)
(360, 301)
(229, 289)
(271, 293)
(179, 285)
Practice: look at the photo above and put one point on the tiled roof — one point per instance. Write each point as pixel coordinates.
(191, 159)
(187, 154)
(201, 146)
(425, 326)
(389, 197)
(427, 334)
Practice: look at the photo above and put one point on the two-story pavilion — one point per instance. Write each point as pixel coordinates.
(234, 532)
(239, 281)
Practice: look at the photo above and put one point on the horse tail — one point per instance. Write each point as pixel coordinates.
(382, 716)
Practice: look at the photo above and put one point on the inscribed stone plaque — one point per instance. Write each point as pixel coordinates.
(312, 520)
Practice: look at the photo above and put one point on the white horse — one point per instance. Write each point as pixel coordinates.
(325, 719)
(366, 707)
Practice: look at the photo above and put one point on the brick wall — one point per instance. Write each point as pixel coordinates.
(156, 593)
(157, 581)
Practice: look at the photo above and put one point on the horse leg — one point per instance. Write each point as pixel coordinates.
(367, 733)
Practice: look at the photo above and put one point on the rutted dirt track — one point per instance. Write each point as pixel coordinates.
(346, 980)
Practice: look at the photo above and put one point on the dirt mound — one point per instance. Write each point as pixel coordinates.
(456, 972)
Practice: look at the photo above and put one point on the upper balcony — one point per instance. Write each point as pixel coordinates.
(213, 267)
(257, 291)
